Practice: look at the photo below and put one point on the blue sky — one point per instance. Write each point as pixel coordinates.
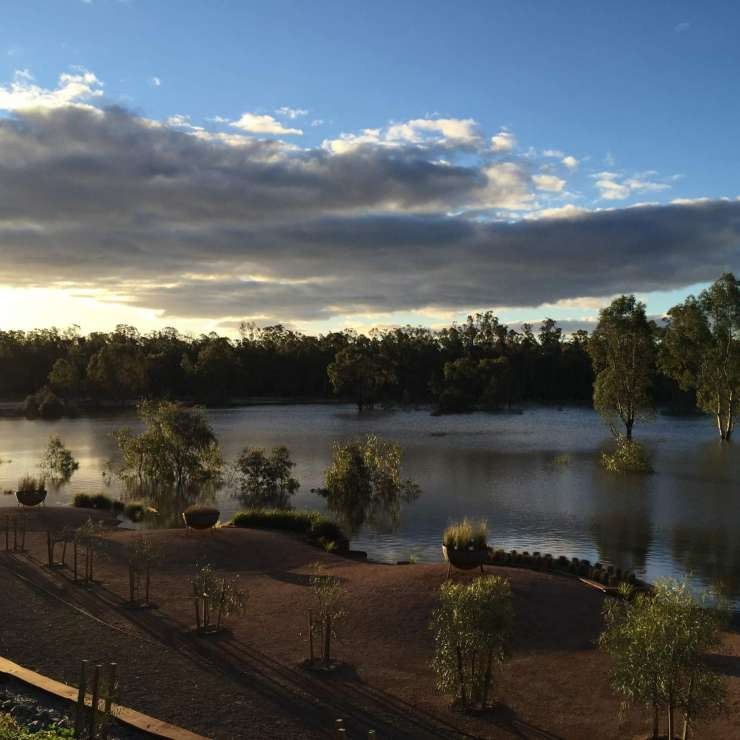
(602, 106)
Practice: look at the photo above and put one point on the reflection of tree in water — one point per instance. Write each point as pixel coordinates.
(711, 554)
(362, 506)
(168, 501)
(621, 525)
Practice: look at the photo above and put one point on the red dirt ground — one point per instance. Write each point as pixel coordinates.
(248, 682)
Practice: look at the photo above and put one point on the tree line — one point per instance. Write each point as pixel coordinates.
(627, 366)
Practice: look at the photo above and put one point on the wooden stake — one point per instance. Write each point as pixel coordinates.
(80, 711)
(95, 699)
(310, 636)
(109, 699)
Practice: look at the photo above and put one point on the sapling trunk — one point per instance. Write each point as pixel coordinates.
(327, 641)
(147, 583)
(487, 679)
(310, 637)
(221, 604)
(95, 699)
(461, 676)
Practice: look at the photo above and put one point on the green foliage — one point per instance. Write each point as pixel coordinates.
(28, 484)
(659, 644)
(701, 350)
(328, 609)
(363, 483)
(629, 456)
(266, 480)
(45, 404)
(306, 522)
(622, 348)
(217, 597)
(472, 628)
(11, 730)
(177, 447)
(97, 501)
(466, 535)
(58, 462)
(361, 372)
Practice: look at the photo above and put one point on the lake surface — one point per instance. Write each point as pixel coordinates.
(683, 518)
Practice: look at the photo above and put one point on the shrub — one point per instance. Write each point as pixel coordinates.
(466, 535)
(135, 511)
(305, 522)
(628, 457)
(29, 484)
(98, 501)
(216, 598)
(329, 598)
(472, 627)
(11, 729)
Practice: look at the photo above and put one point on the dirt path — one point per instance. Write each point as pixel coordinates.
(249, 683)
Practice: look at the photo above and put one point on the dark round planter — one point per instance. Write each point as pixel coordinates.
(204, 518)
(465, 559)
(30, 498)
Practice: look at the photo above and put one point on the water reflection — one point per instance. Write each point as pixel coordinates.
(366, 507)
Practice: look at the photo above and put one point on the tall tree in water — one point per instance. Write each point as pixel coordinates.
(701, 350)
(622, 350)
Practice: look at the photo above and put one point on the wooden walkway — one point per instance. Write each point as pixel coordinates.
(127, 716)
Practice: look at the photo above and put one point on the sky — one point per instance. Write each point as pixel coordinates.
(358, 164)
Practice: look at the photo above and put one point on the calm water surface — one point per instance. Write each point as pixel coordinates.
(684, 518)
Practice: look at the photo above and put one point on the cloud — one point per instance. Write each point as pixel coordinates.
(23, 94)
(155, 81)
(291, 113)
(264, 124)
(423, 133)
(218, 226)
(503, 141)
(549, 183)
(614, 186)
(682, 27)
(570, 162)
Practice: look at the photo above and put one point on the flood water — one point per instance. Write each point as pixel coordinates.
(683, 518)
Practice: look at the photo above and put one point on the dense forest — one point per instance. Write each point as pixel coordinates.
(481, 363)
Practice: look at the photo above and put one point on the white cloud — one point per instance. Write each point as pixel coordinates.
(613, 186)
(503, 141)
(155, 81)
(567, 211)
(264, 124)
(317, 122)
(181, 121)
(291, 113)
(682, 27)
(22, 94)
(570, 162)
(441, 130)
(507, 188)
(549, 183)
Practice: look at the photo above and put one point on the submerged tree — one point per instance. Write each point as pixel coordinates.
(266, 480)
(177, 447)
(701, 350)
(363, 483)
(622, 349)
(58, 463)
(472, 628)
(360, 371)
(659, 643)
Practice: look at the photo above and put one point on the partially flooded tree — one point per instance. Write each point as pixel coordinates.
(359, 371)
(58, 463)
(472, 627)
(266, 480)
(622, 349)
(323, 617)
(364, 483)
(701, 350)
(177, 447)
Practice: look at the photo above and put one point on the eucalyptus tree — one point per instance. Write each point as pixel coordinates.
(659, 643)
(623, 351)
(701, 350)
(177, 447)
